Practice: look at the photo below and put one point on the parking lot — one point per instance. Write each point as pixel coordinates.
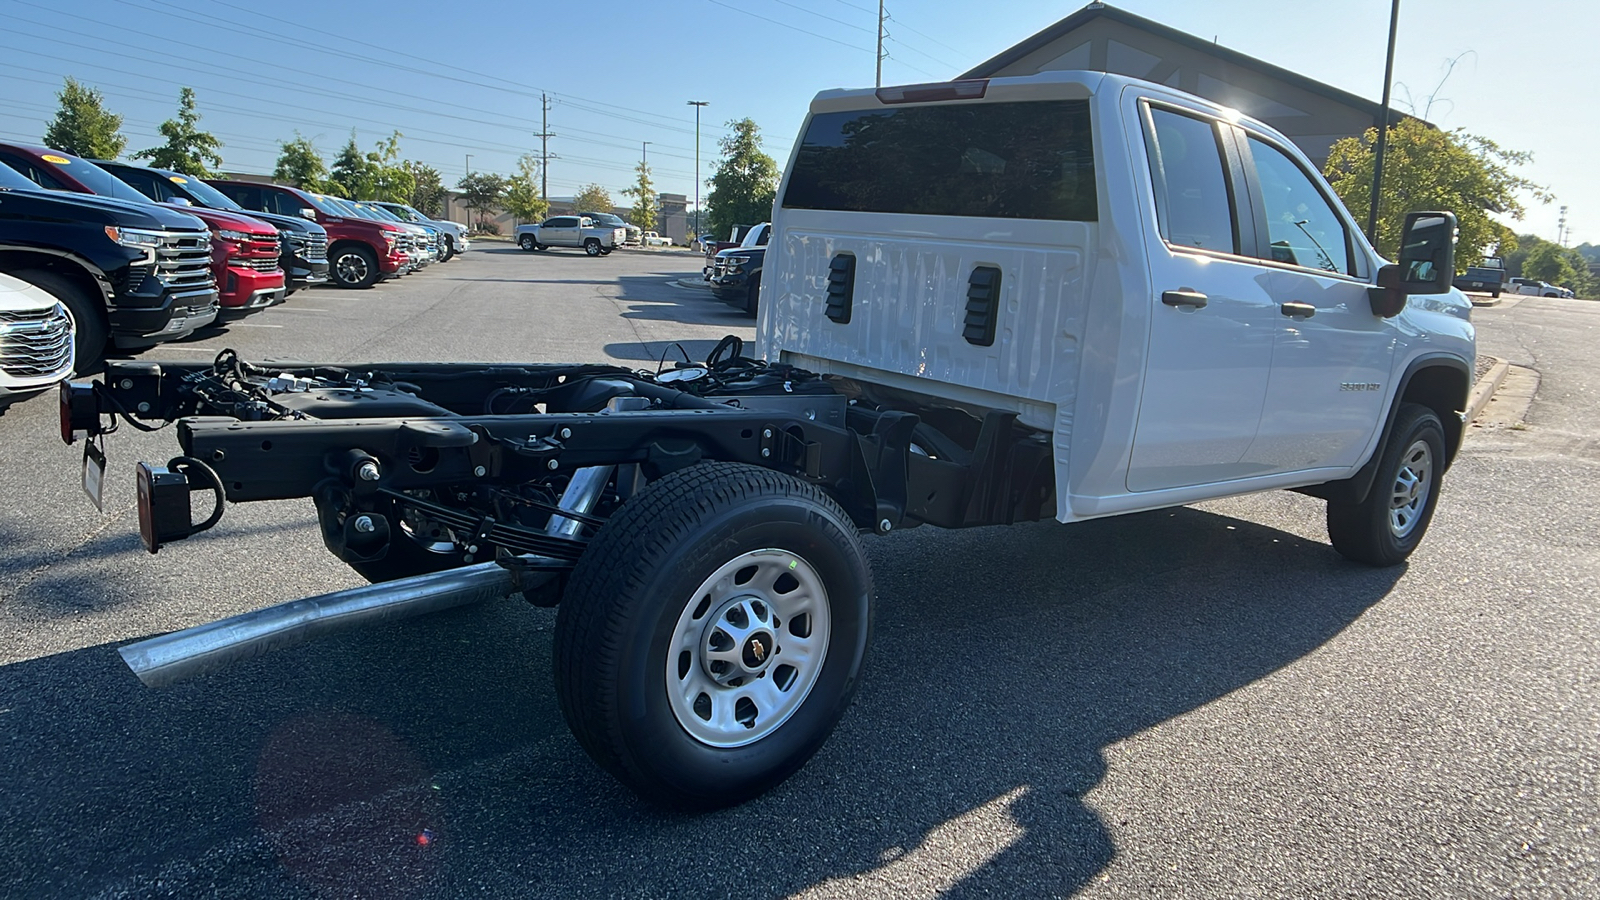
(1205, 701)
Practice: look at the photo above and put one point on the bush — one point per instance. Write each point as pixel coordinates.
(486, 227)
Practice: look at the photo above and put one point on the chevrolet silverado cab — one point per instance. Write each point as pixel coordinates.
(303, 252)
(453, 235)
(244, 251)
(571, 231)
(130, 274)
(361, 252)
(1064, 296)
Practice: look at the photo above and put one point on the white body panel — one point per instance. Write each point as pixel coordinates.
(1149, 405)
(35, 337)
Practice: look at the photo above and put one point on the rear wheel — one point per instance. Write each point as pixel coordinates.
(713, 634)
(592, 246)
(447, 249)
(752, 295)
(1387, 526)
(527, 242)
(90, 328)
(354, 267)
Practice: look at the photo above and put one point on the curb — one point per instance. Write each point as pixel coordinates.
(1485, 388)
(698, 284)
(1482, 302)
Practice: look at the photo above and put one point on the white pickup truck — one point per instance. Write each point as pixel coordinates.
(571, 231)
(1064, 296)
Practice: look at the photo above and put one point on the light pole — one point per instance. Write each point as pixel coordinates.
(697, 104)
(644, 151)
(1383, 130)
(469, 163)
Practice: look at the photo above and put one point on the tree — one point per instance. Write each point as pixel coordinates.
(391, 180)
(427, 189)
(522, 198)
(745, 182)
(592, 198)
(644, 197)
(82, 126)
(188, 149)
(354, 174)
(301, 165)
(1544, 260)
(482, 191)
(1425, 168)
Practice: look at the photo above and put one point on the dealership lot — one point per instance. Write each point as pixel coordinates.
(1205, 701)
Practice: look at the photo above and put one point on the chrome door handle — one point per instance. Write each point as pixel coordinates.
(1296, 310)
(1184, 297)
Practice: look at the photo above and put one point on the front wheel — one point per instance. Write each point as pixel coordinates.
(592, 246)
(527, 242)
(447, 250)
(713, 634)
(1387, 526)
(355, 267)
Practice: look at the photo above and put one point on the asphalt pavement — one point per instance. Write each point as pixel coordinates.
(1203, 702)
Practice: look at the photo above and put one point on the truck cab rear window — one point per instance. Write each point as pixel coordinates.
(1032, 160)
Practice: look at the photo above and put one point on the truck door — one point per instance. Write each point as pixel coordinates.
(1331, 357)
(1212, 316)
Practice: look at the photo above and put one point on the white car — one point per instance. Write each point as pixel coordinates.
(651, 239)
(35, 338)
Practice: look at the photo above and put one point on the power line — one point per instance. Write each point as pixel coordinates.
(821, 16)
(786, 25)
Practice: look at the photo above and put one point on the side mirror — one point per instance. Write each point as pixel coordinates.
(307, 212)
(1427, 263)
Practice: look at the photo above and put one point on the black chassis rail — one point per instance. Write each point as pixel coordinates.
(863, 458)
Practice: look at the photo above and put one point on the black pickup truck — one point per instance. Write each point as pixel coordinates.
(130, 274)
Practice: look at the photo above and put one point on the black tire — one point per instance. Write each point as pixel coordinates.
(626, 604)
(1367, 531)
(592, 247)
(90, 327)
(605, 252)
(527, 242)
(1495, 294)
(752, 295)
(354, 266)
(447, 249)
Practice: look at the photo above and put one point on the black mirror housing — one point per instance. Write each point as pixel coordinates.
(1427, 253)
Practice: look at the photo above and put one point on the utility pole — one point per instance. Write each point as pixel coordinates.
(697, 104)
(1383, 130)
(469, 163)
(878, 81)
(644, 151)
(1561, 228)
(544, 137)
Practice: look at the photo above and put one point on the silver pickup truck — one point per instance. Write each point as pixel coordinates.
(571, 231)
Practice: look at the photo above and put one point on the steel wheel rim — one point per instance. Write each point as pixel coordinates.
(528, 243)
(748, 648)
(1412, 484)
(352, 268)
(592, 248)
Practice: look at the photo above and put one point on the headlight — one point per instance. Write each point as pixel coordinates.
(237, 236)
(133, 237)
(737, 260)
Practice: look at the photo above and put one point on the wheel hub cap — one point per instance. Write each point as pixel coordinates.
(1409, 496)
(748, 647)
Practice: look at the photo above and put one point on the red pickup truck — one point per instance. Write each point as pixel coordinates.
(244, 251)
(361, 252)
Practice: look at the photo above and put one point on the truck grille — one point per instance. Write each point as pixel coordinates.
(402, 242)
(310, 247)
(36, 343)
(183, 260)
(260, 265)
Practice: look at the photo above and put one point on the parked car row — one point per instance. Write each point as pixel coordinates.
(103, 254)
(735, 273)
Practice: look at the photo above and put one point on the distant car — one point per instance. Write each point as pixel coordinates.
(633, 233)
(736, 271)
(651, 239)
(452, 235)
(1530, 288)
(571, 231)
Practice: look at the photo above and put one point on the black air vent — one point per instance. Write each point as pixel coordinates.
(841, 287)
(983, 306)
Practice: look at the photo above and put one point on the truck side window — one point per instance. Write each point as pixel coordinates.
(1193, 202)
(34, 173)
(1302, 228)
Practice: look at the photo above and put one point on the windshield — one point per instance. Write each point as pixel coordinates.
(756, 237)
(101, 182)
(606, 219)
(12, 180)
(325, 205)
(405, 213)
(377, 212)
(205, 193)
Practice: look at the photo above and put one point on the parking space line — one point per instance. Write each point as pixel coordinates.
(252, 325)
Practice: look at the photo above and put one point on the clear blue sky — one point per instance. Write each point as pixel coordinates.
(459, 78)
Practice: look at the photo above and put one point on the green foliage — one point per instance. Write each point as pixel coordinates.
(1544, 260)
(301, 165)
(427, 189)
(355, 175)
(745, 182)
(82, 126)
(392, 181)
(188, 149)
(592, 198)
(644, 197)
(482, 191)
(1426, 169)
(522, 198)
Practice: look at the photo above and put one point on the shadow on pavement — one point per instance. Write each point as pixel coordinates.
(429, 759)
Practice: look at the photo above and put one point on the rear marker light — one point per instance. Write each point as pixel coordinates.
(163, 506)
(927, 93)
